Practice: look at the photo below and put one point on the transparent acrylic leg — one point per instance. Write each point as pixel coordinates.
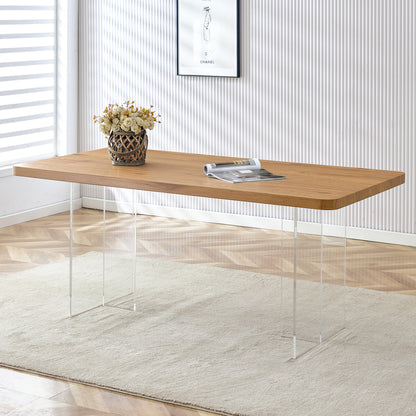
(71, 241)
(134, 254)
(333, 273)
(319, 277)
(283, 290)
(85, 255)
(119, 248)
(104, 245)
(295, 262)
(287, 251)
(344, 282)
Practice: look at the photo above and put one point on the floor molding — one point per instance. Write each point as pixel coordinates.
(34, 214)
(255, 222)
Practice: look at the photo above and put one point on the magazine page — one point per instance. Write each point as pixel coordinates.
(247, 170)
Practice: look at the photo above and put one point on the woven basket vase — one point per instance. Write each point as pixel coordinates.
(127, 148)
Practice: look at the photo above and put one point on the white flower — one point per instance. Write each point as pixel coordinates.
(104, 129)
(115, 126)
(126, 124)
(126, 117)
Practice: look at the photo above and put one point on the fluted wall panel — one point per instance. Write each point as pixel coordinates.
(323, 81)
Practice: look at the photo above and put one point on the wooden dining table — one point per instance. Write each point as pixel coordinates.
(306, 185)
(311, 186)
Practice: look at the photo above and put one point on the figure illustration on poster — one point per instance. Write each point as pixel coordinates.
(207, 42)
(206, 32)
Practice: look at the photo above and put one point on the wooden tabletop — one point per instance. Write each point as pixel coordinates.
(306, 186)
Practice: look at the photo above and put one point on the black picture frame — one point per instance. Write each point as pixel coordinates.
(208, 38)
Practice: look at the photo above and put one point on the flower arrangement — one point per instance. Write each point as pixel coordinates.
(126, 118)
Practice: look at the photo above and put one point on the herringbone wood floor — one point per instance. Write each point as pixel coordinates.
(370, 265)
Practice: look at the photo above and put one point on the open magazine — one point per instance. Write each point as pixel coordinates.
(247, 170)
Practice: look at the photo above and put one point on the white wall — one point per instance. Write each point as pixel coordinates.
(323, 81)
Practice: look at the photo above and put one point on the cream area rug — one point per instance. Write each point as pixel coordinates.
(208, 338)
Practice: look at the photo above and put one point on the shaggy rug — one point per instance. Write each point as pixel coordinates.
(208, 338)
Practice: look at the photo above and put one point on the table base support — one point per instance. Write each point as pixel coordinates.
(308, 327)
(325, 314)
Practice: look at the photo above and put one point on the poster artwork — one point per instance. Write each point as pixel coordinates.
(208, 37)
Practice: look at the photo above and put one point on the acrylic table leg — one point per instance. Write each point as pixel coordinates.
(295, 258)
(134, 210)
(119, 248)
(321, 278)
(71, 239)
(104, 242)
(345, 212)
(332, 273)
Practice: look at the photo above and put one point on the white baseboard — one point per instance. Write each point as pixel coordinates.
(34, 214)
(256, 222)
(214, 217)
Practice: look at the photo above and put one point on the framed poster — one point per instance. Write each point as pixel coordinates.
(208, 38)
